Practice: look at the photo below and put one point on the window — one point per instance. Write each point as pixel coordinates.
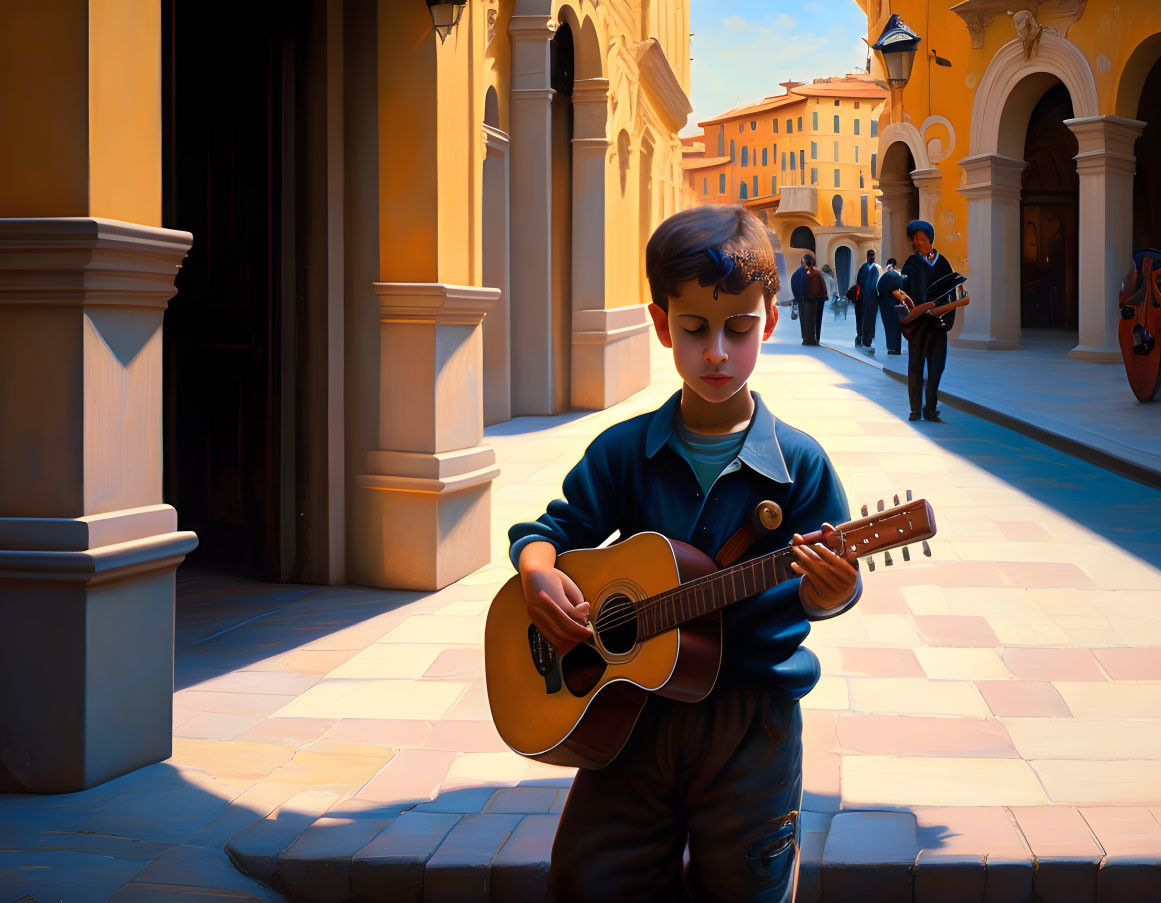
(836, 178)
(800, 123)
(742, 190)
(836, 152)
(775, 154)
(792, 161)
(745, 156)
(836, 101)
(764, 155)
(741, 127)
(774, 122)
(813, 150)
(836, 124)
(722, 142)
(802, 159)
(874, 128)
(705, 184)
(753, 125)
(814, 121)
(784, 159)
(863, 209)
(874, 159)
(814, 175)
(856, 104)
(731, 150)
(774, 184)
(755, 186)
(856, 153)
(789, 126)
(722, 183)
(856, 126)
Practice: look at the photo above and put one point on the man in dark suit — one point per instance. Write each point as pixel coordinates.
(809, 289)
(866, 303)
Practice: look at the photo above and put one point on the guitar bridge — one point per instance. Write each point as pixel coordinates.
(544, 659)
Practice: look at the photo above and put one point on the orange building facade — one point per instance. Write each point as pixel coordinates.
(805, 161)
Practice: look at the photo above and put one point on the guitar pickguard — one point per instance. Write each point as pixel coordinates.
(544, 659)
(582, 668)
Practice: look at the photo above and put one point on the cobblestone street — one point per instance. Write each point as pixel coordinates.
(1000, 700)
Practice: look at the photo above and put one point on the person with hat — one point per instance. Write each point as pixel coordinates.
(927, 341)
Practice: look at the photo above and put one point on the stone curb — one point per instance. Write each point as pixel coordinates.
(1052, 435)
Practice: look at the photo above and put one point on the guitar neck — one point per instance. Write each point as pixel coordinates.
(878, 532)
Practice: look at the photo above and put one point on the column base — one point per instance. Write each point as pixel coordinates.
(86, 654)
(1096, 355)
(424, 519)
(986, 343)
(610, 355)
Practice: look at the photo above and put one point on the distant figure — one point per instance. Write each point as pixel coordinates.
(809, 290)
(890, 281)
(866, 303)
(831, 291)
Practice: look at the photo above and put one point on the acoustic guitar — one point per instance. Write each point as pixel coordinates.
(655, 610)
(909, 323)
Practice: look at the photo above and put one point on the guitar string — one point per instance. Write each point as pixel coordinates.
(652, 602)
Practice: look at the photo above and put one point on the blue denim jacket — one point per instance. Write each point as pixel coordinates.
(630, 480)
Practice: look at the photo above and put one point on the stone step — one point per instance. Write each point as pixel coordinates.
(498, 849)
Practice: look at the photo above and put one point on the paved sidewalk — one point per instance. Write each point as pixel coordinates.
(1085, 409)
(989, 720)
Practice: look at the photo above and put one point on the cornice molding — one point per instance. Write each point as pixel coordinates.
(434, 302)
(661, 84)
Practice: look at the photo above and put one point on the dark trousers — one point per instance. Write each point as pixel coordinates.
(810, 319)
(724, 775)
(860, 306)
(928, 347)
(818, 318)
(891, 330)
(866, 324)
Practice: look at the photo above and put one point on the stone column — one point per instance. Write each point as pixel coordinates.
(992, 320)
(428, 485)
(87, 549)
(1105, 165)
(928, 182)
(533, 388)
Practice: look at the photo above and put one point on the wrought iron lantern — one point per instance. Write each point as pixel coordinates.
(445, 15)
(897, 45)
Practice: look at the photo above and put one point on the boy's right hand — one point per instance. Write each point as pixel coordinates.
(557, 606)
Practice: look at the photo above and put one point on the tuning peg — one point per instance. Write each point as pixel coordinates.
(896, 499)
(881, 505)
(906, 553)
(864, 510)
(887, 559)
(926, 549)
(870, 563)
(908, 495)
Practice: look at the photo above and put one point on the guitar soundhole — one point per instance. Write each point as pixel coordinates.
(617, 625)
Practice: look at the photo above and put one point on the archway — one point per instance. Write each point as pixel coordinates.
(842, 267)
(802, 238)
(1048, 216)
(561, 80)
(495, 218)
(1147, 182)
(900, 199)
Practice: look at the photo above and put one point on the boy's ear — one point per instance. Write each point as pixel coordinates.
(771, 321)
(661, 324)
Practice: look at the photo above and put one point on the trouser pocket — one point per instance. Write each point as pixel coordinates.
(772, 856)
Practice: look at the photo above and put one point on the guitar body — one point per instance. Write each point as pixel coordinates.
(1140, 328)
(580, 708)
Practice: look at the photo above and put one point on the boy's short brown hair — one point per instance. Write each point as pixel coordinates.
(707, 243)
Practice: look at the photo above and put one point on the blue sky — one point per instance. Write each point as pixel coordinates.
(742, 49)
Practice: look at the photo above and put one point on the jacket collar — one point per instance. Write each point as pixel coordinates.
(760, 452)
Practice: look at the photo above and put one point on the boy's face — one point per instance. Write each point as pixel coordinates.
(921, 243)
(715, 342)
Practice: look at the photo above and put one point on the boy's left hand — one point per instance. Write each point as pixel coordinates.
(828, 580)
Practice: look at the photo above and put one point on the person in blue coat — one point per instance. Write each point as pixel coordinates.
(867, 303)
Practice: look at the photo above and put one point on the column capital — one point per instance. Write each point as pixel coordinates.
(88, 262)
(590, 90)
(1105, 142)
(434, 303)
(992, 176)
(927, 178)
(532, 28)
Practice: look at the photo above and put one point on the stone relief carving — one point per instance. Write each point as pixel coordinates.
(978, 14)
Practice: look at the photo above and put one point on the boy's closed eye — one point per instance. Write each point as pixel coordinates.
(739, 325)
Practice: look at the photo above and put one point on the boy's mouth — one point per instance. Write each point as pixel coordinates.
(716, 379)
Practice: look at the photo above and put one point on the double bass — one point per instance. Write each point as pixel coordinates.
(1140, 325)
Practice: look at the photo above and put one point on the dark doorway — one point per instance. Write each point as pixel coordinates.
(1147, 182)
(231, 75)
(562, 77)
(1048, 207)
(842, 268)
(802, 237)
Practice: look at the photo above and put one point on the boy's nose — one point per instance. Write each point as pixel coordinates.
(715, 352)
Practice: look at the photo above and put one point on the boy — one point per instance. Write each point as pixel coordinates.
(928, 343)
(723, 774)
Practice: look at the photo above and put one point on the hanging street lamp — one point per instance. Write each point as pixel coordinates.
(445, 15)
(897, 46)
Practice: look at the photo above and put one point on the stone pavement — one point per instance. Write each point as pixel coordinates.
(988, 724)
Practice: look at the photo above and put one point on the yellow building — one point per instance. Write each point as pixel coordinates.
(804, 161)
(382, 239)
(1034, 154)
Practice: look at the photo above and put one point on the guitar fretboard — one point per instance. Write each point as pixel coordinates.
(712, 593)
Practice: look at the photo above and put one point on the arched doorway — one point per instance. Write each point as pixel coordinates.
(802, 238)
(900, 200)
(1049, 197)
(842, 268)
(1147, 182)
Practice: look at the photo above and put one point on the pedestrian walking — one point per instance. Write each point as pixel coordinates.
(866, 303)
(809, 289)
(884, 301)
(831, 291)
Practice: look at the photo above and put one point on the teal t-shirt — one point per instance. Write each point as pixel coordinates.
(707, 455)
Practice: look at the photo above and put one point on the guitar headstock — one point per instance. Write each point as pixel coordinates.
(890, 528)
